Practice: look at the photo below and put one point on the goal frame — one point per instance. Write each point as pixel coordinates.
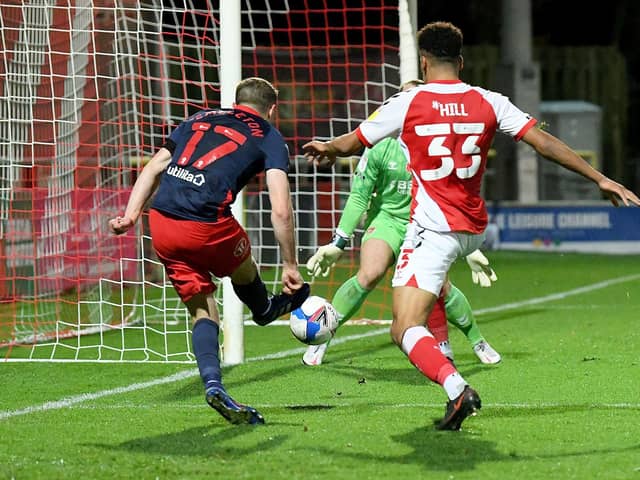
(230, 72)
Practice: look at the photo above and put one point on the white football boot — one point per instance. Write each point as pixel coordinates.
(485, 353)
(313, 355)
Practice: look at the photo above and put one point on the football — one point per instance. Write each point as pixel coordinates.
(315, 321)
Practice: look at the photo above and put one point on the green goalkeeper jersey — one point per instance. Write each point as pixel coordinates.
(381, 184)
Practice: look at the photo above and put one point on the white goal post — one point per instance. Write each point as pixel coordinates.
(230, 75)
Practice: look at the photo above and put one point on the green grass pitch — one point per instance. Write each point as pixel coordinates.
(563, 404)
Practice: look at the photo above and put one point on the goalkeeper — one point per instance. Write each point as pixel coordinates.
(382, 189)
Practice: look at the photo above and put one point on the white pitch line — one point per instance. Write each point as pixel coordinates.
(76, 399)
(559, 295)
(84, 397)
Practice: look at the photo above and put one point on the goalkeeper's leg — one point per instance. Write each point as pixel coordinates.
(460, 315)
(375, 258)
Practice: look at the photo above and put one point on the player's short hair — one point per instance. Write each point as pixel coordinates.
(410, 84)
(442, 40)
(256, 92)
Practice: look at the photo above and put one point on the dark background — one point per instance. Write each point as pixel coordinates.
(557, 23)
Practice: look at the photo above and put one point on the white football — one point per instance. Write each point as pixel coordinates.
(315, 321)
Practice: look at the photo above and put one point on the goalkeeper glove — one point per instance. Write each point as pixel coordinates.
(481, 271)
(326, 256)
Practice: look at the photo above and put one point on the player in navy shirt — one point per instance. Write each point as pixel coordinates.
(215, 154)
(199, 171)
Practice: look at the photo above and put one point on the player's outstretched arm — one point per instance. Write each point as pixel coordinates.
(144, 187)
(557, 151)
(342, 146)
(481, 272)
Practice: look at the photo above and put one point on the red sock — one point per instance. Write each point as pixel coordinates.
(424, 353)
(437, 322)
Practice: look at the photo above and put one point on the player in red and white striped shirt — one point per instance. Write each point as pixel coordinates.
(445, 128)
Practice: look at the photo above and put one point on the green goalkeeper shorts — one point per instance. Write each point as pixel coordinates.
(387, 228)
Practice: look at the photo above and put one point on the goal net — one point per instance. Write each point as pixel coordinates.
(89, 89)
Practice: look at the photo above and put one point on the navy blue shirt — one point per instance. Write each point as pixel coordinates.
(214, 155)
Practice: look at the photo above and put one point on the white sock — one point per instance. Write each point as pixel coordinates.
(454, 385)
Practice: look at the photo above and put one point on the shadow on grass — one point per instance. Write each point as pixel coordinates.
(429, 449)
(453, 451)
(446, 451)
(201, 441)
(461, 451)
(315, 407)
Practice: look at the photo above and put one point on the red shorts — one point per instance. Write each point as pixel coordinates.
(192, 251)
